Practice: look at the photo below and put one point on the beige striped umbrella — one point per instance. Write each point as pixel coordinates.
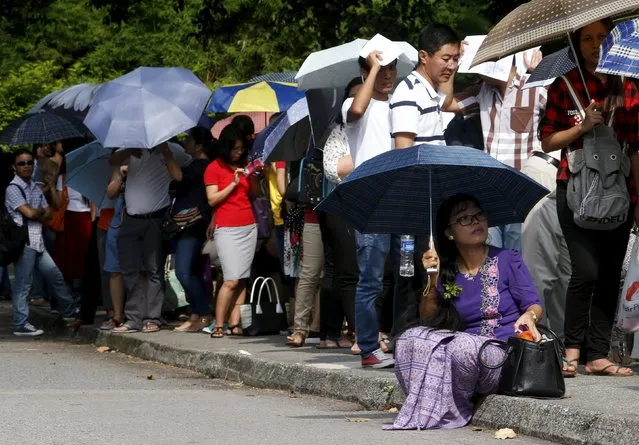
(541, 21)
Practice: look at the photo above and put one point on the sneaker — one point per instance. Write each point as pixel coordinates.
(378, 360)
(28, 330)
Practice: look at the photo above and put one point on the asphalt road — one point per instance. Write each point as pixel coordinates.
(58, 392)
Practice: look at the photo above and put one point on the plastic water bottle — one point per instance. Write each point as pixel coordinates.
(407, 256)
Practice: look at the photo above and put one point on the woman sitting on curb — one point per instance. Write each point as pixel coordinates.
(480, 292)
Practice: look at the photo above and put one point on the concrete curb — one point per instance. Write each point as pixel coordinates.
(533, 417)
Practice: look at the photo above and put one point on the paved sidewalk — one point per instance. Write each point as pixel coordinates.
(597, 410)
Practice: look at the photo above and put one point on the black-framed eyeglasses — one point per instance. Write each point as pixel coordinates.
(467, 220)
(24, 163)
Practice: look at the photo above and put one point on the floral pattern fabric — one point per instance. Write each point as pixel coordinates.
(336, 148)
(491, 302)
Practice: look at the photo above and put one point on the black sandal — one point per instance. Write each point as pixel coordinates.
(218, 332)
(231, 330)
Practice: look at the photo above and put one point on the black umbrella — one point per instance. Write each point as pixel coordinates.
(324, 105)
(40, 128)
(555, 65)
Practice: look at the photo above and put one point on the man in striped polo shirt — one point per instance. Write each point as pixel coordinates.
(417, 107)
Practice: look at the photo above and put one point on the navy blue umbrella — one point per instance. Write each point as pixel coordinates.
(257, 152)
(395, 191)
(552, 66)
(41, 128)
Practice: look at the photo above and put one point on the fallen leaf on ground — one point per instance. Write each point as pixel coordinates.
(149, 377)
(357, 419)
(505, 433)
(393, 410)
(103, 349)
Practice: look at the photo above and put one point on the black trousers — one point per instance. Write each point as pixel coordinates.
(596, 257)
(337, 297)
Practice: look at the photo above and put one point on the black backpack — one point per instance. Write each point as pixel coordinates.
(13, 238)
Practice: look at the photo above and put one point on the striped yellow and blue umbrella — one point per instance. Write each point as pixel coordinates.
(272, 97)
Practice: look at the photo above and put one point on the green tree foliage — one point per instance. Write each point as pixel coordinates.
(49, 44)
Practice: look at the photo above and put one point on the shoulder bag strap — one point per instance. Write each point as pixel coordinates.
(575, 98)
(499, 344)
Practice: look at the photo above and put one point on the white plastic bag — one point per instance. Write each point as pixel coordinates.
(628, 310)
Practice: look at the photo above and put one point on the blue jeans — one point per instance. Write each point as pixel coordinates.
(27, 264)
(507, 237)
(372, 250)
(188, 269)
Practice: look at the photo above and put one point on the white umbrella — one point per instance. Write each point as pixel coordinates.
(147, 107)
(335, 67)
(76, 98)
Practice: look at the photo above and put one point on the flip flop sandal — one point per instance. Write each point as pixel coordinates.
(328, 344)
(566, 373)
(151, 327)
(125, 329)
(604, 371)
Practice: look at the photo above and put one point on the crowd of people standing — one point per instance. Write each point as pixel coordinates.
(341, 284)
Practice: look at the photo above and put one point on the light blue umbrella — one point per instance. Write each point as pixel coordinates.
(146, 107)
(89, 172)
(397, 191)
(288, 141)
(620, 50)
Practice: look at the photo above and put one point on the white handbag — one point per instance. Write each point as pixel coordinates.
(260, 317)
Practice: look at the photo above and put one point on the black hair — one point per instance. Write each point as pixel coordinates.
(246, 128)
(352, 84)
(226, 143)
(446, 315)
(244, 124)
(363, 63)
(434, 36)
(273, 117)
(202, 136)
(22, 151)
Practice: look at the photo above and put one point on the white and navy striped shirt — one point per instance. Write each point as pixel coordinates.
(416, 108)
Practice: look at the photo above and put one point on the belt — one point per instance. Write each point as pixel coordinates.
(153, 215)
(549, 159)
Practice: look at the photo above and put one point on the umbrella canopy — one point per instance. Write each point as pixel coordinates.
(620, 50)
(542, 21)
(260, 140)
(323, 106)
(147, 107)
(256, 96)
(552, 66)
(89, 172)
(335, 67)
(41, 128)
(260, 121)
(390, 193)
(288, 141)
(74, 99)
(286, 76)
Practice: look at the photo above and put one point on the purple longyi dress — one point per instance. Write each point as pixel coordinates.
(438, 370)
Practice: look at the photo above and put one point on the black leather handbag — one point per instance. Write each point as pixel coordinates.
(530, 369)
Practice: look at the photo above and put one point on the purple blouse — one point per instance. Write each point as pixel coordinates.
(491, 302)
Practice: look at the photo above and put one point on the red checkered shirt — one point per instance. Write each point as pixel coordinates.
(562, 114)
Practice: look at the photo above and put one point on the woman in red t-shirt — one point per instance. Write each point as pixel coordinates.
(227, 190)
